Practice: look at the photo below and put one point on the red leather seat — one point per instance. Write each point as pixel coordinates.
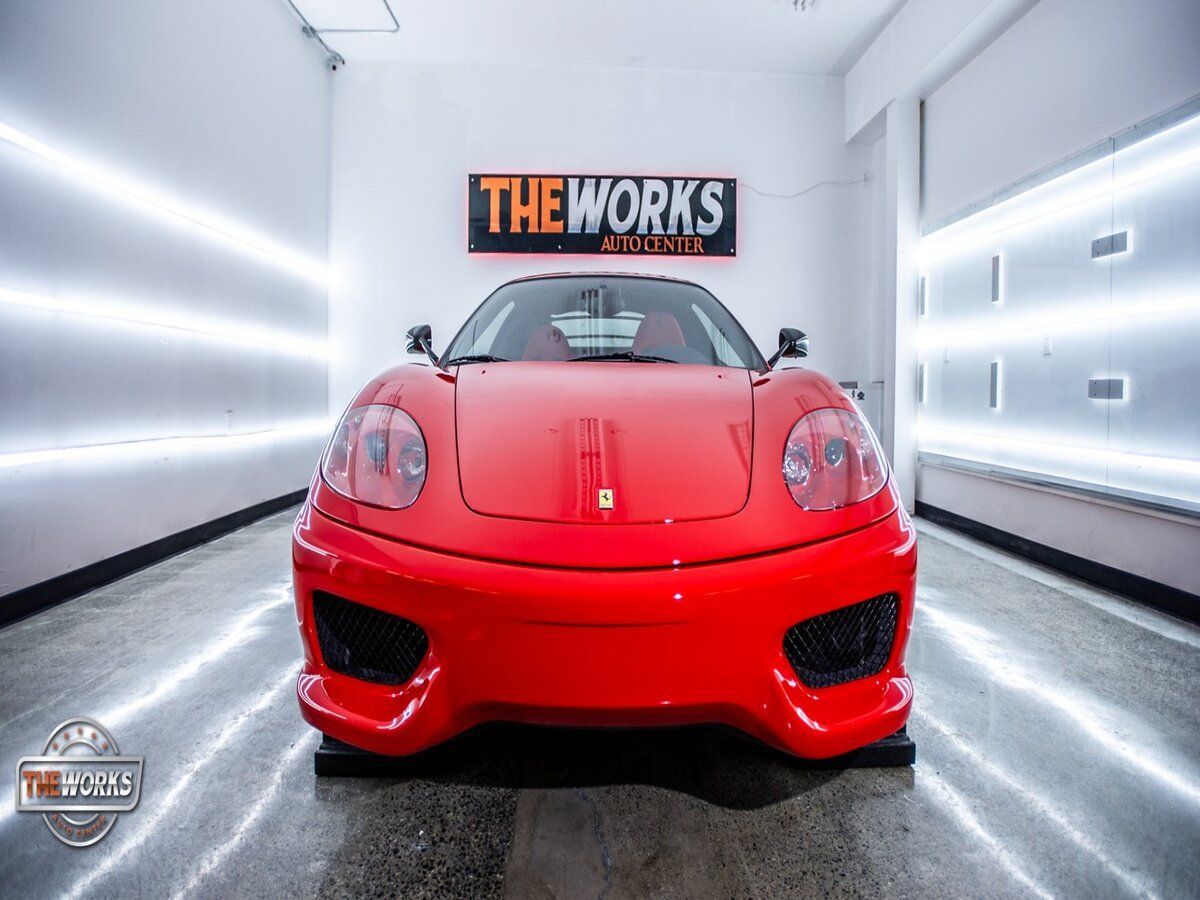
(547, 344)
(658, 329)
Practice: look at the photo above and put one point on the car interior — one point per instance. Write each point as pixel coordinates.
(575, 319)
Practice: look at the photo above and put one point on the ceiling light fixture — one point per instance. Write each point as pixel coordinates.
(334, 58)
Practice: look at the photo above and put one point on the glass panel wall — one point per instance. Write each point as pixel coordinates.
(1060, 333)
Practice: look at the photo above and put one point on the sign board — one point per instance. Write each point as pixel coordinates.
(621, 214)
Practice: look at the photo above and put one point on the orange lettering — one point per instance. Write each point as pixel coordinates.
(524, 210)
(551, 201)
(44, 784)
(494, 186)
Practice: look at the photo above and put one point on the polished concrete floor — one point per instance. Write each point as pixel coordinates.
(1058, 734)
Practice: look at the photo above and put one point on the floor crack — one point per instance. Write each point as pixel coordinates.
(601, 841)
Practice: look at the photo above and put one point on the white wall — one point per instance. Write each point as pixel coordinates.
(406, 136)
(1158, 546)
(1068, 75)
(224, 106)
(924, 44)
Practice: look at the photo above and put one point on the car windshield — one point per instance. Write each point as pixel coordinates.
(598, 318)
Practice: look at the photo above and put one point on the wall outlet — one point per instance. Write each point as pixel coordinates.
(1047, 346)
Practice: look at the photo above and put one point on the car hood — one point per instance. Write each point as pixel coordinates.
(542, 441)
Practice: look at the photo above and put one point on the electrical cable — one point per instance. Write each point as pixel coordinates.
(866, 177)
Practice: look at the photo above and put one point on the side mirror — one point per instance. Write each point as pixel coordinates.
(420, 341)
(792, 342)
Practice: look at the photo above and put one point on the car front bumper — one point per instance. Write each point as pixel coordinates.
(667, 646)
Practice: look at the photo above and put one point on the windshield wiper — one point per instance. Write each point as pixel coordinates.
(475, 358)
(621, 355)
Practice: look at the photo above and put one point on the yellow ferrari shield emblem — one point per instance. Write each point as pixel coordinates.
(605, 500)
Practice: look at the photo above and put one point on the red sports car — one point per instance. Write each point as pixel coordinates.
(601, 506)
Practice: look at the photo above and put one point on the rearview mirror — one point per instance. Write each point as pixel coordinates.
(420, 341)
(792, 343)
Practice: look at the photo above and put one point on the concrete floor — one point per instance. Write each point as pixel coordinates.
(1058, 734)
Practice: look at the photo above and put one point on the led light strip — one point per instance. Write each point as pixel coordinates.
(212, 328)
(929, 437)
(937, 245)
(160, 446)
(1083, 318)
(214, 225)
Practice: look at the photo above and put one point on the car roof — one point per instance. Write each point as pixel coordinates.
(604, 274)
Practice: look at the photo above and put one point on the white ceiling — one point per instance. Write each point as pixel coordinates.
(730, 35)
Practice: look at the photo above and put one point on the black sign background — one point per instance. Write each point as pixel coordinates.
(546, 201)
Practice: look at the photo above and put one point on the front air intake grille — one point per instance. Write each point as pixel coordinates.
(367, 643)
(845, 644)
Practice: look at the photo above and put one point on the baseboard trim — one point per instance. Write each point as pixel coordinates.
(1163, 597)
(38, 597)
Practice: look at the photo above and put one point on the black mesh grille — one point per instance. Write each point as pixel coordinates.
(845, 644)
(367, 643)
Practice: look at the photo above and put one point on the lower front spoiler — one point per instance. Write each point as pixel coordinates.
(336, 759)
(686, 645)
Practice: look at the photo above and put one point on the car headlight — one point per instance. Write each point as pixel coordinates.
(377, 456)
(832, 459)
